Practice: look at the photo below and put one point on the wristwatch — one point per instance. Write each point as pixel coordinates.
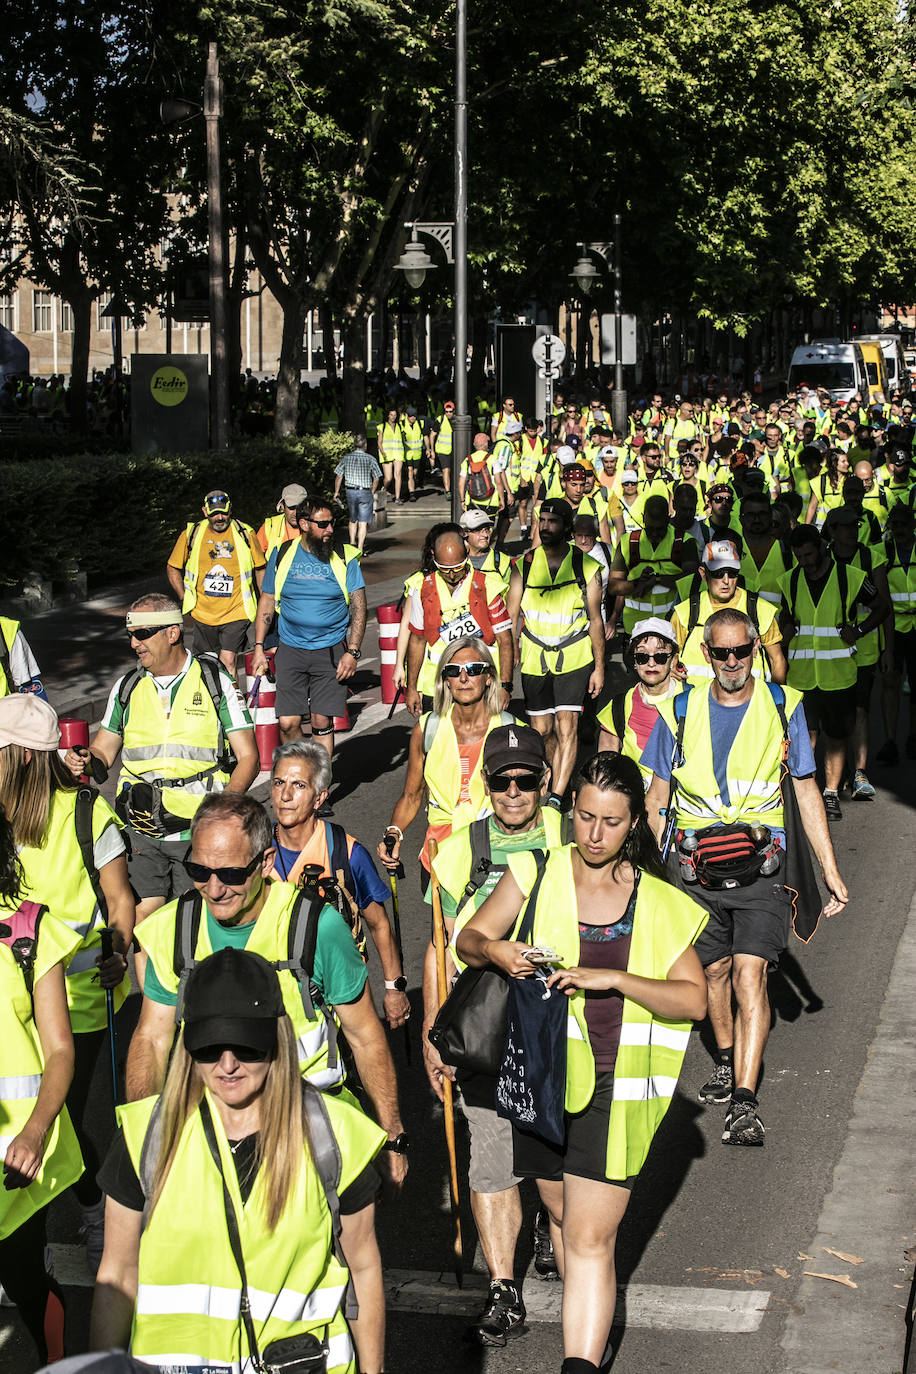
(396, 984)
(507, 687)
(400, 1145)
(354, 653)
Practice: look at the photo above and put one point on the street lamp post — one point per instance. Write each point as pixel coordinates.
(585, 274)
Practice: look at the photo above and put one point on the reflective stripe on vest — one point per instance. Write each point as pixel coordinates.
(902, 585)
(413, 438)
(555, 637)
(752, 769)
(390, 442)
(443, 443)
(651, 1050)
(661, 598)
(817, 656)
(243, 534)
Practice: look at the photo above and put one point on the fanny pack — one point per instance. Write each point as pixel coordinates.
(301, 1354)
(139, 805)
(729, 855)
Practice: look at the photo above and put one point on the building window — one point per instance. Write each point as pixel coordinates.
(8, 310)
(101, 305)
(42, 312)
(66, 318)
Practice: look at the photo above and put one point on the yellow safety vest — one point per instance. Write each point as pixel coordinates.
(443, 442)
(691, 654)
(868, 648)
(277, 533)
(413, 440)
(817, 656)
(827, 498)
(244, 535)
(269, 935)
(902, 584)
(390, 443)
(502, 419)
(752, 769)
(179, 743)
(338, 567)
(555, 638)
(188, 1306)
(666, 922)
(766, 579)
(661, 598)
(455, 621)
(23, 1065)
(9, 629)
(628, 742)
(442, 774)
(56, 876)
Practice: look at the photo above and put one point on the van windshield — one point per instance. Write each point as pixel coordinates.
(834, 376)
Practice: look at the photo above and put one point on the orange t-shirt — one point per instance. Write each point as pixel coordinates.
(469, 754)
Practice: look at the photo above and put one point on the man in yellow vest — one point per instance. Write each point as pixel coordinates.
(439, 443)
(284, 525)
(821, 624)
(173, 720)
(232, 855)
(557, 588)
(720, 587)
(215, 569)
(319, 597)
(722, 800)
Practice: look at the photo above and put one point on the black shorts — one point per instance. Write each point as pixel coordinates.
(307, 681)
(524, 492)
(547, 693)
(753, 920)
(156, 868)
(363, 1190)
(209, 639)
(832, 712)
(905, 655)
(865, 680)
(584, 1153)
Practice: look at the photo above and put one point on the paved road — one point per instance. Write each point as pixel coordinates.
(716, 1242)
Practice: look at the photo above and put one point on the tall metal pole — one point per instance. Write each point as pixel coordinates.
(619, 399)
(219, 352)
(461, 425)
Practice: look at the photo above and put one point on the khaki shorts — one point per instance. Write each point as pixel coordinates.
(490, 1168)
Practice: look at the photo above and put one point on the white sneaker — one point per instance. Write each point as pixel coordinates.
(92, 1234)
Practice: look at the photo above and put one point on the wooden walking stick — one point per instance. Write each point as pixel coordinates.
(448, 1102)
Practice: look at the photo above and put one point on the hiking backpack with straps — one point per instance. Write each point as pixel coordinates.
(694, 615)
(482, 858)
(481, 486)
(86, 798)
(19, 932)
(578, 572)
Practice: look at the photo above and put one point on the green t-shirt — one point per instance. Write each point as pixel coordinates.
(339, 971)
(501, 846)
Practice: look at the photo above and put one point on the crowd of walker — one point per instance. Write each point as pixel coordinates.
(639, 854)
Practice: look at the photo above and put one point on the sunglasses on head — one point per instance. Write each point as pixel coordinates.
(144, 631)
(245, 1054)
(642, 657)
(528, 782)
(231, 877)
(322, 524)
(470, 669)
(740, 651)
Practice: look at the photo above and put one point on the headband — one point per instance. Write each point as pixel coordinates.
(137, 620)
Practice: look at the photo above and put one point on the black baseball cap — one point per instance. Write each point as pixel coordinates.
(232, 998)
(514, 746)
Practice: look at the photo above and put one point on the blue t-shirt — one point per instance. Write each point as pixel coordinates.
(369, 886)
(313, 612)
(724, 722)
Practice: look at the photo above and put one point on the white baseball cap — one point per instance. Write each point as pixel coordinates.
(721, 553)
(513, 427)
(630, 475)
(653, 626)
(474, 519)
(565, 454)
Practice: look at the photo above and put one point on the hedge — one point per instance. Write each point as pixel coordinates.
(117, 515)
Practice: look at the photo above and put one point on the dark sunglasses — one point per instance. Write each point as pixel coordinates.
(232, 877)
(144, 631)
(245, 1054)
(528, 782)
(642, 658)
(740, 651)
(322, 524)
(471, 669)
(721, 500)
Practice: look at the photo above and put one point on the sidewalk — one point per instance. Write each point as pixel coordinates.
(82, 648)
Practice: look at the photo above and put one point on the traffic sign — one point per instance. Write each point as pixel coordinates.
(548, 347)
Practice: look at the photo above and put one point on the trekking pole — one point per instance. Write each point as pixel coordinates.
(107, 951)
(396, 913)
(398, 693)
(448, 1100)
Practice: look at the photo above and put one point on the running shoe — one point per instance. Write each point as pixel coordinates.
(719, 1086)
(502, 1318)
(832, 806)
(862, 789)
(742, 1124)
(545, 1261)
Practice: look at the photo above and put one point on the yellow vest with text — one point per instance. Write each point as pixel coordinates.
(180, 744)
(666, 922)
(752, 770)
(56, 876)
(555, 638)
(269, 935)
(23, 1065)
(244, 536)
(188, 1305)
(818, 656)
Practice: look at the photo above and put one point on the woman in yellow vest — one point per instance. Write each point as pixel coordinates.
(612, 923)
(48, 813)
(827, 489)
(391, 451)
(446, 751)
(40, 1154)
(219, 1238)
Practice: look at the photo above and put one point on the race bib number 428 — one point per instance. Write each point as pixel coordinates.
(458, 628)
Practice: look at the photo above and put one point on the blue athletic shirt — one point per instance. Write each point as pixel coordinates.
(724, 723)
(369, 886)
(313, 612)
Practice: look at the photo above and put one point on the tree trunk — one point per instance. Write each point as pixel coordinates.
(353, 412)
(81, 309)
(289, 373)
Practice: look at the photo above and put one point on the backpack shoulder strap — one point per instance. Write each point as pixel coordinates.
(82, 819)
(129, 682)
(680, 717)
(430, 730)
(19, 932)
(209, 671)
(526, 567)
(633, 555)
(785, 550)
(753, 599)
(481, 860)
(618, 714)
(187, 928)
(793, 586)
(842, 577)
(192, 533)
(149, 1155)
(338, 854)
(693, 618)
(779, 701)
(324, 1147)
(578, 568)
